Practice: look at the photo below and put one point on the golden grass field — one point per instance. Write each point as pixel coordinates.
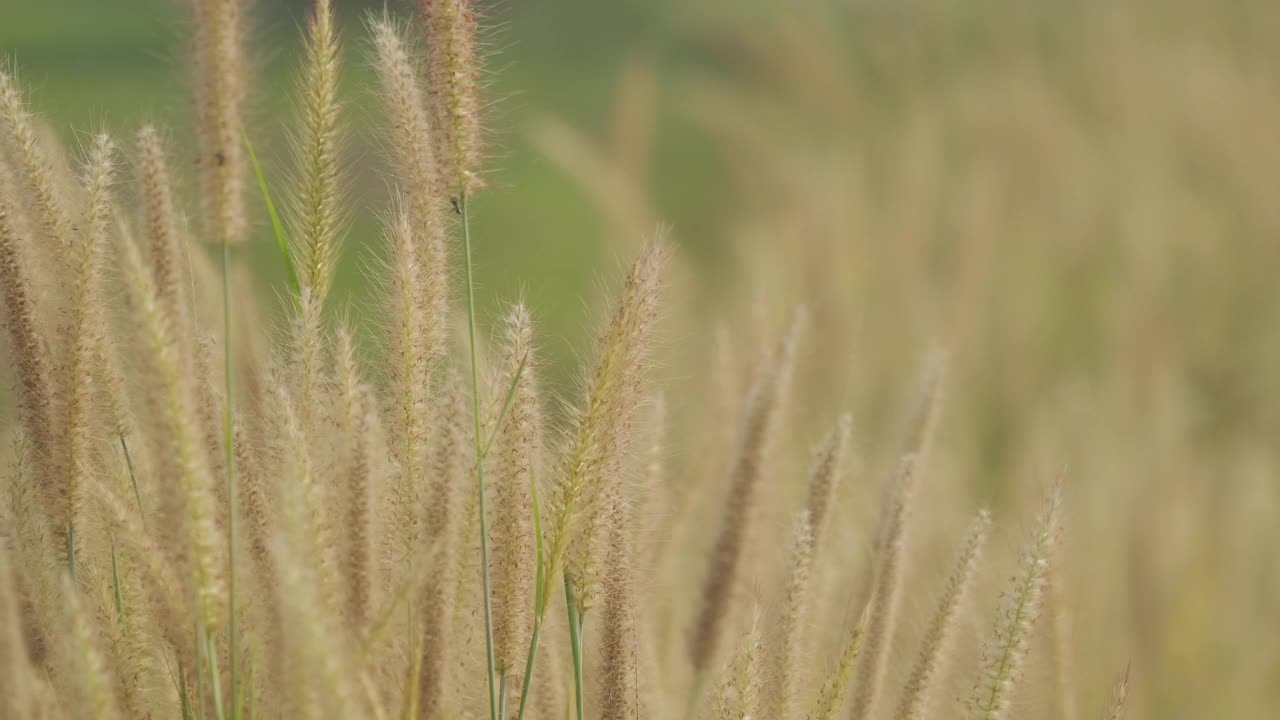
(928, 373)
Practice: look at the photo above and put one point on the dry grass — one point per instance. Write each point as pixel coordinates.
(417, 532)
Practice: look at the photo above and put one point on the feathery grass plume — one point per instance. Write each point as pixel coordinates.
(83, 340)
(14, 193)
(250, 340)
(1116, 710)
(37, 569)
(188, 509)
(125, 641)
(256, 509)
(31, 368)
(109, 362)
(10, 187)
(1010, 639)
(436, 693)
(209, 407)
(786, 672)
(886, 588)
(416, 166)
(452, 74)
(825, 475)
(519, 448)
(82, 676)
(738, 694)
(316, 202)
(257, 521)
(588, 473)
(915, 696)
(353, 411)
(835, 688)
(220, 79)
(449, 458)
(755, 442)
(619, 682)
(15, 668)
(655, 484)
(164, 592)
(307, 373)
(161, 223)
(408, 357)
(303, 553)
(295, 452)
(454, 458)
(40, 177)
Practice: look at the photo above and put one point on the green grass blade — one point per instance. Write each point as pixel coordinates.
(295, 287)
(183, 701)
(115, 581)
(506, 405)
(575, 640)
(539, 596)
(215, 678)
(133, 478)
(480, 491)
(71, 550)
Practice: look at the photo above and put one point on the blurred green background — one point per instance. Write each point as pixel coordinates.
(117, 64)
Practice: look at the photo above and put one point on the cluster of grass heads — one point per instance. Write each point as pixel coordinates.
(313, 530)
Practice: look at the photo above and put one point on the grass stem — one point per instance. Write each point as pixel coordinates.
(475, 408)
(502, 696)
(539, 594)
(133, 478)
(575, 640)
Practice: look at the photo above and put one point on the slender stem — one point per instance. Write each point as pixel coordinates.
(183, 702)
(115, 581)
(202, 701)
(541, 589)
(230, 462)
(133, 478)
(575, 640)
(71, 550)
(215, 682)
(475, 409)
(502, 696)
(528, 665)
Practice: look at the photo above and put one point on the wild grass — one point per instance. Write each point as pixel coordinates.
(409, 521)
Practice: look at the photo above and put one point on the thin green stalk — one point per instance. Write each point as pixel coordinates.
(539, 598)
(71, 550)
(277, 227)
(183, 701)
(115, 580)
(201, 700)
(575, 640)
(215, 678)
(528, 665)
(133, 478)
(475, 408)
(506, 405)
(229, 461)
(502, 696)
